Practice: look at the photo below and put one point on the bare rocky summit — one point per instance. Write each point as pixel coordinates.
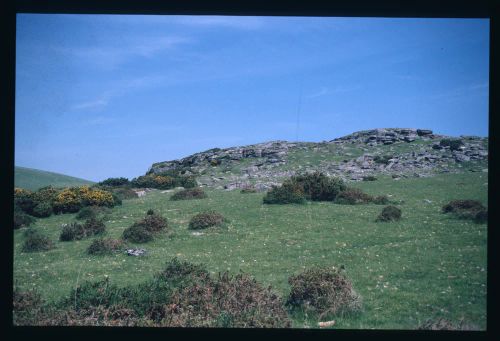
(399, 152)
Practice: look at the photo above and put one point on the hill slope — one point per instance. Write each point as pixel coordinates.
(33, 179)
(400, 152)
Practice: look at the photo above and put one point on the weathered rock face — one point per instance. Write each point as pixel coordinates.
(386, 136)
(400, 152)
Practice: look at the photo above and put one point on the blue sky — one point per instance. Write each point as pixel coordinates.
(102, 96)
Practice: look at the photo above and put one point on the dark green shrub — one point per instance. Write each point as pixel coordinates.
(353, 196)
(380, 200)
(26, 307)
(35, 241)
(191, 193)
(369, 178)
(206, 219)
(389, 213)
(137, 234)
(42, 210)
(288, 193)
(152, 222)
(104, 246)
(463, 205)
(187, 181)
(93, 226)
(453, 144)
(87, 213)
(72, 231)
(318, 187)
(481, 217)
(324, 291)
(21, 219)
(467, 209)
(382, 159)
(150, 212)
(114, 182)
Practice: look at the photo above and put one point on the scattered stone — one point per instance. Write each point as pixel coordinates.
(326, 324)
(135, 252)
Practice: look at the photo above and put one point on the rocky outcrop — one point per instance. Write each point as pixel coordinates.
(400, 152)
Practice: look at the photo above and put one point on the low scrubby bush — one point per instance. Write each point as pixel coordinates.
(318, 186)
(353, 196)
(380, 200)
(206, 219)
(324, 291)
(123, 193)
(164, 180)
(182, 295)
(114, 182)
(87, 213)
(288, 193)
(22, 219)
(453, 144)
(369, 178)
(24, 200)
(153, 222)
(248, 190)
(190, 193)
(36, 241)
(42, 210)
(382, 159)
(137, 234)
(389, 213)
(72, 231)
(463, 205)
(76, 231)
(103, 246)
(467, 209)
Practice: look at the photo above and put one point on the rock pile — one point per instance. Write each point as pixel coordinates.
(387, 136)
(135, 252)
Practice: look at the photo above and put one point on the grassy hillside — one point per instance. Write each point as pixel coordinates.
(33, 179)
(427, 265)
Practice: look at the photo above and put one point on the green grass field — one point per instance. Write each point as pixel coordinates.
(427, 265)
(34, 179)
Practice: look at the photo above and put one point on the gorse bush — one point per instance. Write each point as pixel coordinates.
(369, 178)
(187, 194)
(72, 199)
(36, 241)
(324, 291)
(467, 209)
(288, 193)
(24, 200)
(104, 246)
(444, 324)
(319, 187)
(206, 219)
(453, 144)
(389, 213)
(380, 200)
(315, 186)
(164, 180)
(93, 226)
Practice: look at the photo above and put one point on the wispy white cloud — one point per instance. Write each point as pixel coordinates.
(116, 53)
(100, 120)
(94, 104)
(236, 22)
(119, 89)
(334, 90)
